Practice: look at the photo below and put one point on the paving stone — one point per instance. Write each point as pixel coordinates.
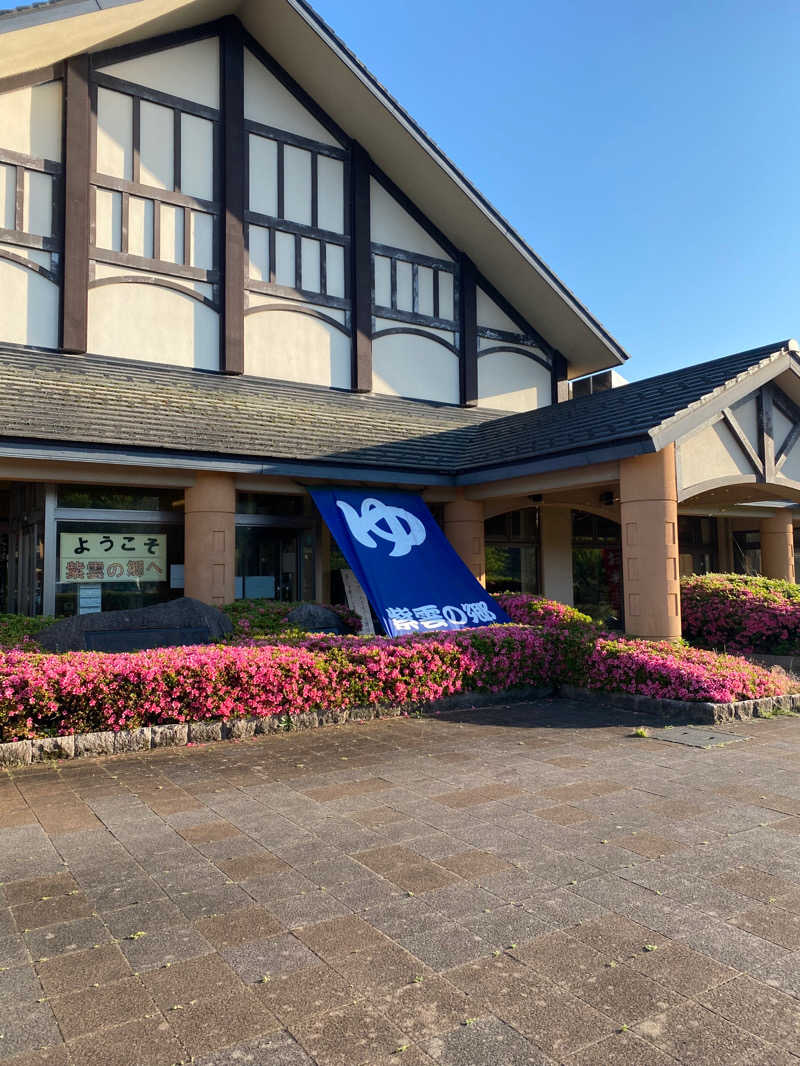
(32, 890)
(378, 970)
(623, 994)
(426, 1008)
(238, 926)
(52, 1056)
(750, 881)
(272, 1049)
(55, 909)
(144, 916)
(621, 1049)
(680, 969)
(181, 982)
(164, 945)
(18, 984)
(692, 1034)
(58, 939)
(772, 923)
(486, 1040)
(450, 945)
(306, 992)
(221, 1021)
(556, 1021)
(82, 969)
(341, 936)
(245, 867)
(272, 957)
(559, 957)
(28, 1027)
(349, 1036)
(112, 1004)
(761, 1010)
(145, 1042)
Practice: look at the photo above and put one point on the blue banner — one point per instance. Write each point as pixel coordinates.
(408, 569)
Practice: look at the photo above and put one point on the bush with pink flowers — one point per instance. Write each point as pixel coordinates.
(47, 695)
(740, 613)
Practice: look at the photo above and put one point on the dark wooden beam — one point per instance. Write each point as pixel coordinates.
(767, 431)
(361, 270)
(77, 163)
(234, 166)
(469, 333)
(558, 373)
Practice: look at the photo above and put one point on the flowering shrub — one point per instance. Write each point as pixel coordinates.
(46, 695)
(741, 613)
(258, 618)
(677, 672)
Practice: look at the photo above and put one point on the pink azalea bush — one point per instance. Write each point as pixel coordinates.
(741, 613)
(677, 672)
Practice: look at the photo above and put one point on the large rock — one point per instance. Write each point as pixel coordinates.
(314, 618)
(165, 625)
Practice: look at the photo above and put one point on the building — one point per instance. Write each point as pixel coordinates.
(233, 267)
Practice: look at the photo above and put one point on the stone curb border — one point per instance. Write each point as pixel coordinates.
(683, 712)
(48, 749)
(178, 734)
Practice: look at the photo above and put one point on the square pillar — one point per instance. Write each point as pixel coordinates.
(649, 520)
(555, 527)
(463, 527)
(210, 539)
(777, 547)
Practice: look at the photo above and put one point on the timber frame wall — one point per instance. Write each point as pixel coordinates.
(78, 183)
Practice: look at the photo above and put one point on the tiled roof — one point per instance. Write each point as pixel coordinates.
(115, 403)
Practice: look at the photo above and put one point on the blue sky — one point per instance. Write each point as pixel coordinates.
(649, 153)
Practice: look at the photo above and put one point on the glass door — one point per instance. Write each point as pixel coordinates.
(267, 563)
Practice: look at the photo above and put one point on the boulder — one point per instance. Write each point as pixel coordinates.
(164, 625)
(314, 618)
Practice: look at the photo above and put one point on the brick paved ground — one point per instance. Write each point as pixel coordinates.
(528, 885)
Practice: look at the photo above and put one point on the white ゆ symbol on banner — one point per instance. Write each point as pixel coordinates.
(389, 523)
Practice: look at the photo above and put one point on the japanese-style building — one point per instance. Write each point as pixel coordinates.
(233, 268)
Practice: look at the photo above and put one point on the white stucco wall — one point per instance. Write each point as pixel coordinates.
(190, 71)
(267, 101)
(286, 344)
(711, 454)
(509, 381)
(153, 324)
(406, 364)
(491, 316)
(392, 225)
(29, 305)
(31, 120)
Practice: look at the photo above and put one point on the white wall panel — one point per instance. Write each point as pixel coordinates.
(156, 145)
(310, 262)
(190, 71)
(37, 204)
(446, 297)
(140, 227)
(383, 281)
(297, 184)
(108, 220)
(263, 176)
(153, 324)
(291, 346)
(258, 249)
(28, 308)
(746, 413)
(171, 233)
(392, 225)
(330, 194)
(710, 454)
(405, 364)
(197, 157)
(491, 316)
(425, 290)
(284, 259)
(114, 134)
(31, 120)
(334, 257)
(405, 286)
(509, 381)
(8, 195)
(202, 238)
(268, 102)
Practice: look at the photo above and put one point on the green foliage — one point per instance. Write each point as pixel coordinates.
(18, 629)
(267, 618)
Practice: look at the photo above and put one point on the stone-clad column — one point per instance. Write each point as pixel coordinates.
(777, 547)
(649, 519)
(210, 539)
(555, 526)
(463, 527)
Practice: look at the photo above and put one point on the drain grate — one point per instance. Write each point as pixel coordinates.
(695, 736)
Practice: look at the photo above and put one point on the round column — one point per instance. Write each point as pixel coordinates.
(210, 539)
(463, 527)
(777, 547)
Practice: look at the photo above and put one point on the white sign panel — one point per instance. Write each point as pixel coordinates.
(357, 601)
(90, 599)
(113, 556)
